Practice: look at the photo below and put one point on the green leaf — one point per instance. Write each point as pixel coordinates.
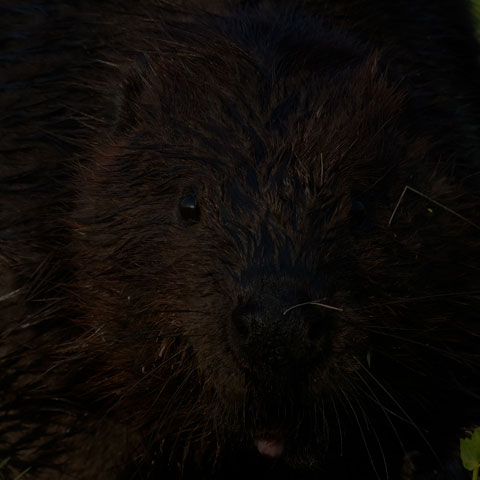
(23, 473)
(470, 450)
(4, 462)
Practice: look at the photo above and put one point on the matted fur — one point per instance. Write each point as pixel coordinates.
(333, 151)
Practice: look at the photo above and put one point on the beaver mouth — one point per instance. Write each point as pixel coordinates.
(270, 444)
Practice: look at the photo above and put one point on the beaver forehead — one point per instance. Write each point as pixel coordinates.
(302, 123)
(259, 101)
(291, 149)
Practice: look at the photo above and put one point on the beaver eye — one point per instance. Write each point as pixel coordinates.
(189, 209)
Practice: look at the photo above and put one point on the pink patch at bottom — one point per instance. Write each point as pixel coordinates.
(270, 447)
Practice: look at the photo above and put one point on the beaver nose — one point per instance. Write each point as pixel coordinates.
(267, 333)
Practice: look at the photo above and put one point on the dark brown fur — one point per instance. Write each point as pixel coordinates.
(333, 152)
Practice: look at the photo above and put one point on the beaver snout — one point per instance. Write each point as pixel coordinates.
(268, 335)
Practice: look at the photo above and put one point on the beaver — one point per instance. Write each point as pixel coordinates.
(239, 238)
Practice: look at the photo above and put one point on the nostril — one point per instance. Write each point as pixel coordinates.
(265, 333)
(315, 322)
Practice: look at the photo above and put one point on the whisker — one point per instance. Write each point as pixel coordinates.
(362, 434)
(382, 453)
(182, 311)
(180, 430)
(145, 376)
(10, 295)
(399, 406)
(372, 428)
(313, 302)
(386, 411)
(461, 358)
(185, 421)
(164, 387)
(430, 199)
(326, 429)
(160, 333)
(340, 431)
(415, 299)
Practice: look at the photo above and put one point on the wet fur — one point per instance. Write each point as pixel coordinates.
(123, 323)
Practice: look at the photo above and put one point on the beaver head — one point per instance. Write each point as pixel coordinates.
(240, 274)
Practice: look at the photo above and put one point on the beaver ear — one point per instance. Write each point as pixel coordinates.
(124, 112)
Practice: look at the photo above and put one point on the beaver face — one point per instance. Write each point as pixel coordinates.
(247, 227)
